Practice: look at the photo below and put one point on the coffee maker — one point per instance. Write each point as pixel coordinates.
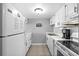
(66, 33)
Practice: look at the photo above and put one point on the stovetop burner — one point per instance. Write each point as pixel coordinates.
(74, 46)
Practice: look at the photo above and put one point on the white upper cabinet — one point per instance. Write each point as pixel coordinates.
(67, 14)
(78, 7)
(52, 21)
(60, 17)
(72, 10)
(71, 13)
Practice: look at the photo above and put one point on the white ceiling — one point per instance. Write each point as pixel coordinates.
(27, 9)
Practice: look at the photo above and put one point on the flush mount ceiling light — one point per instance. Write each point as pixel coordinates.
(38, 11)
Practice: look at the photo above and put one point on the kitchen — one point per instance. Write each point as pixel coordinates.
(39, 29)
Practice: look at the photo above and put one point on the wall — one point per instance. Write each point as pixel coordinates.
(39, 33)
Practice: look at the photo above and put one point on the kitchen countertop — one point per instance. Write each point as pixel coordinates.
(56, 37)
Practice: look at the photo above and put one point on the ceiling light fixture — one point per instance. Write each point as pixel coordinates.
(38, 11)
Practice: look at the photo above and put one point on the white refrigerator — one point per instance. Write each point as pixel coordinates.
(0, 29)
(12, 34)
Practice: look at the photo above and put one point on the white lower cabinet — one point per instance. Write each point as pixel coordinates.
(28, 45)
(28, 41)
(50, 45)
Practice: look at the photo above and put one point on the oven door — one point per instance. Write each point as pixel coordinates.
(61, 51)
(64, 51)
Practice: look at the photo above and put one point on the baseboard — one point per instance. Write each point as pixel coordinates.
(38, 43)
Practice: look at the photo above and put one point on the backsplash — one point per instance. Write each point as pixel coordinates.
(74, 31)
(58, 31)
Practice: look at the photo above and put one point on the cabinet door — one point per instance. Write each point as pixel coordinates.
(51, 46)
(78, 7)
(60, 17)
(48, 43)
(72, 9)
(28, 43)
(52, 22)
(56, 20)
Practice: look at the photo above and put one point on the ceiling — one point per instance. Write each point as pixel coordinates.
(27, 9)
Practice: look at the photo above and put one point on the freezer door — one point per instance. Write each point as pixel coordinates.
(11, 24)
(14, 46)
